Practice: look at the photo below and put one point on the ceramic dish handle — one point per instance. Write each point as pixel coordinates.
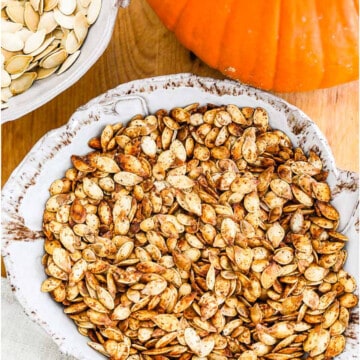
(135, 104)
(121, 3)
(122, 106)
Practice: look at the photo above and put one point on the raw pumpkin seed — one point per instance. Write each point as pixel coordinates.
(5, 79)
(40, 37)
(11, 42)
(18, 64)
(31, 17)
(54, 59)
(22, 83)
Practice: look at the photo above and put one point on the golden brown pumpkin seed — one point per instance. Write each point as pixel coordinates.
(166, 322)
(180, 182)
(188, 234)
(281, 188)
(284, 255)
(281, 330)
(348, 300)
(275, 234)
(303, 167)
(327, 210)
(311, 299)
(315, 273)
(301, 196)
(270, 274)
(50, 284)
(127, 179)
(321, 191)
(195, 343)
(120, 313)
(336, 346)
(62, 259)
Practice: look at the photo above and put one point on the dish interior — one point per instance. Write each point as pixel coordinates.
(26, 192)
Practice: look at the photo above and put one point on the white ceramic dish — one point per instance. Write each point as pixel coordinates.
(95, 44)
(26, 191)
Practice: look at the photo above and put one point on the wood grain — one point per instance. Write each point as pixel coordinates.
(142, 47)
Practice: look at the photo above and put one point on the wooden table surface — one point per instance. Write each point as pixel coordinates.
(142, 47)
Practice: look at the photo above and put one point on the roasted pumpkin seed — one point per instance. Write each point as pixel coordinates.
(177, 238)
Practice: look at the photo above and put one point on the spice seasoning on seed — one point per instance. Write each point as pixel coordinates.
(199, 232)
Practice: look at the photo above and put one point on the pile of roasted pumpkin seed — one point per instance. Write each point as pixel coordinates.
(39, 38)
(199, 233)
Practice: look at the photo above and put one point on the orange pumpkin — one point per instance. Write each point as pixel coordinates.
(282, 45)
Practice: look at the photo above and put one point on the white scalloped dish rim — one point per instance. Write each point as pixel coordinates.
(26, 191)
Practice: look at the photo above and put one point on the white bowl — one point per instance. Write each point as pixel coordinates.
(95, 44)
(26, 191)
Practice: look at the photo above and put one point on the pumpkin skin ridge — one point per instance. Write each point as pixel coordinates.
(302, 73)
(353, 64)
(179, 16)
(223, 34)
(192, 38)
(322, 44)
(250, 77)
(295, 56)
